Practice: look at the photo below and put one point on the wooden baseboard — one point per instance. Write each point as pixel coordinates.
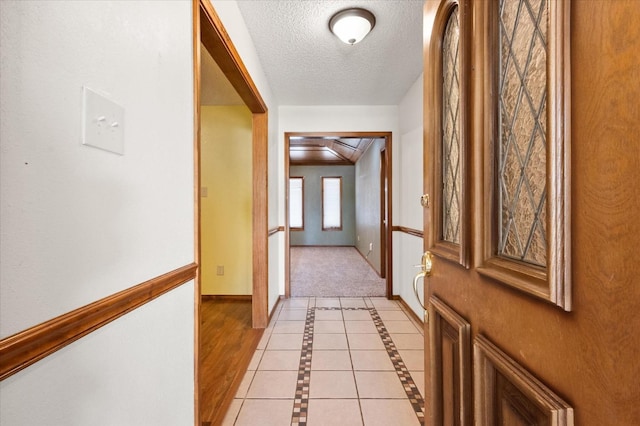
(408, 310)
(366, 259)
(227, 297)
(275, 308)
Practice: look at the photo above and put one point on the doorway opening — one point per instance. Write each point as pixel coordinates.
(209, 33)
(369, 154)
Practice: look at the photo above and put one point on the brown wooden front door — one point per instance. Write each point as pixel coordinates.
(532, 158)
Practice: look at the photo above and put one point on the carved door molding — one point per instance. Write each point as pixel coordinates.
(507, 394)
(450, 365)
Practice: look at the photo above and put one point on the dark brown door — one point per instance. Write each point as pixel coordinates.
(534, 288)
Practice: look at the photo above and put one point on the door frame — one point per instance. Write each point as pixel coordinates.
(208, 29)
(384, 212)
(387, 262)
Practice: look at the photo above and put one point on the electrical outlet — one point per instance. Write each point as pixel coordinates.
(220, 270)
(370, 246)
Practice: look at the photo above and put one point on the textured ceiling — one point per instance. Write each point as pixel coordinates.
(306, 64)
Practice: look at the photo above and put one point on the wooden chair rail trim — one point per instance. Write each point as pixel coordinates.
(275, 230)
(410, 231)
(22, 349)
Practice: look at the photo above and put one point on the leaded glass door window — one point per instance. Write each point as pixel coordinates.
(451, 83)
(451, 176)
(522, 155)
(528, 154)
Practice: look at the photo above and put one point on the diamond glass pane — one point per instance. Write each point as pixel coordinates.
(451, 130)
(522, 154)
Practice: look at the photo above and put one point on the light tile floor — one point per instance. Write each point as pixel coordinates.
(334, 361)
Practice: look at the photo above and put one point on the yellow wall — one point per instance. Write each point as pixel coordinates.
(226, 230)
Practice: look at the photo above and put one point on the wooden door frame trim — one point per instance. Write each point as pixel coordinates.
(209, 30)
(384, 209)
(387, 136)
(215, 38)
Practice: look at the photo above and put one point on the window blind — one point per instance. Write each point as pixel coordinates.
(331, 203)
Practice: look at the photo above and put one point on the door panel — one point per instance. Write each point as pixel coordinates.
(588, 356)
(506, 394)
(451, 365)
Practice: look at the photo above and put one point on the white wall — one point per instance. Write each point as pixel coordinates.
(276, 268)
(368, 204)
(233, 22)
(133, 371)
(78, 224)
(407, 248)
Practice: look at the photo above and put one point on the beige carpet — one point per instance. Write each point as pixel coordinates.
(333, 272)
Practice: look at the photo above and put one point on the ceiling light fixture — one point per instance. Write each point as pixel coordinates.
(352, 25)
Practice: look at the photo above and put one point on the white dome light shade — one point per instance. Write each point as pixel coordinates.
(352, 25)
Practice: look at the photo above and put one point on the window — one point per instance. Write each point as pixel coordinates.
(521, 147)
(331, 203)
(451, 176)
(448, 129)
(527, 180)
(296, 203)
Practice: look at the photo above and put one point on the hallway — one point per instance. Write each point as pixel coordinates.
(359, 361)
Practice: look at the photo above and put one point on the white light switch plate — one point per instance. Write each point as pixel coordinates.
(102, 122)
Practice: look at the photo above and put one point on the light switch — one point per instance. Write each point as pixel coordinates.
(102, 122)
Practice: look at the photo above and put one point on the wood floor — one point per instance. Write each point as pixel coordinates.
(227, 343)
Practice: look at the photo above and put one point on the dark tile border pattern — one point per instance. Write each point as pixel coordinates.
(301, 402)
(410, 387)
